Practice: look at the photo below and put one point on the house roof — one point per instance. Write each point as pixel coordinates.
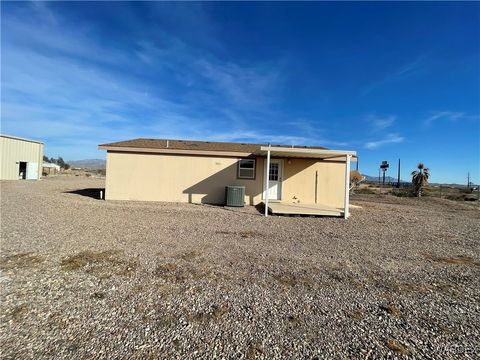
(193, 145)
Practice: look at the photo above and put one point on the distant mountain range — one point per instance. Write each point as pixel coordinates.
(388, 179)
(93, 164)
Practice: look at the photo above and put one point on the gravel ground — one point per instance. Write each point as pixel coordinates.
(85, 278)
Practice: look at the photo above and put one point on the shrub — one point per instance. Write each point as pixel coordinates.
(365, 191)
(403, 192)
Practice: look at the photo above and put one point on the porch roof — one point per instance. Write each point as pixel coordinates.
(276, 151)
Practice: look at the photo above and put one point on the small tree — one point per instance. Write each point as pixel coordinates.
(355, 179)
(60, 162)
(45, 158)
(420, 179)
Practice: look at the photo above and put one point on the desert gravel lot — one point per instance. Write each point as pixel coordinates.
(84, 278)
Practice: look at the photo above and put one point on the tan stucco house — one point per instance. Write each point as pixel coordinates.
(198, 172)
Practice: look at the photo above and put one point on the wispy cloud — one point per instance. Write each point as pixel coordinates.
(403, 72)
(246, 86)
(59, 86)
(64, 82)
(379, 123)
(451, 116)
(259, 137)
(389, 139)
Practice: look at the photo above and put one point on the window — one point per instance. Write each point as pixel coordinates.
(273, 172)
(246, 169)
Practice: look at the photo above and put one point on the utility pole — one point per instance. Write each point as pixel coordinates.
(468, 181)
(398, 179)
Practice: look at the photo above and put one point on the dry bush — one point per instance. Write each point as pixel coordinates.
(391, 309)
(398, 347)
(356, 314)
(364, 190)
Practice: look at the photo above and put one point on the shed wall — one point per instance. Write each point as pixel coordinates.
(13, 151)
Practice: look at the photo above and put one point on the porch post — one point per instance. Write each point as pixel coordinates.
(267, 180)
(347, 187)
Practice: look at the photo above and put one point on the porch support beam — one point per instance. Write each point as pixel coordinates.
(347, 187)
(267, 181)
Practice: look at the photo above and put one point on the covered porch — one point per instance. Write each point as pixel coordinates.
(309, 205)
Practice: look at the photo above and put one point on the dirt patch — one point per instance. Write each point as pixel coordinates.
(170, 272)
(105, 262)
(214, 314)
(22, 260)
(398, 347)
(242, 234)
(291, 280)
(254, 350)
(422, 288)
(180, 273)
(453, 260)
(98, 295)
(19, 311)
(188, 256)
(344, 277)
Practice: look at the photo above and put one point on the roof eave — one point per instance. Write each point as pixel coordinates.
(174, 151)
(299, 152)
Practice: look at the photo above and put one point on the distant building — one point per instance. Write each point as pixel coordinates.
(20, 158)
(50, 169)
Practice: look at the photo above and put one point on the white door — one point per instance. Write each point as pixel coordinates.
(275, 179)
(32, 171)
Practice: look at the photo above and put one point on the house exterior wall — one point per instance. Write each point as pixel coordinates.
(202, 179)
(13, 151)
(299, 181)
(175, 178)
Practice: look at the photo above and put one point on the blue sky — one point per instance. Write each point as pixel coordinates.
(390, 80)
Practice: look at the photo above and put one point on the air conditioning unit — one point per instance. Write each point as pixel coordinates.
(235, 196)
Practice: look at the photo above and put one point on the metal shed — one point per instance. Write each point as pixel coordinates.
(20, 158)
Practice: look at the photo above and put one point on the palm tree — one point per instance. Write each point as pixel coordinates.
(420, 179)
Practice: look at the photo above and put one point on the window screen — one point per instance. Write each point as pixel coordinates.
(246, 169)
